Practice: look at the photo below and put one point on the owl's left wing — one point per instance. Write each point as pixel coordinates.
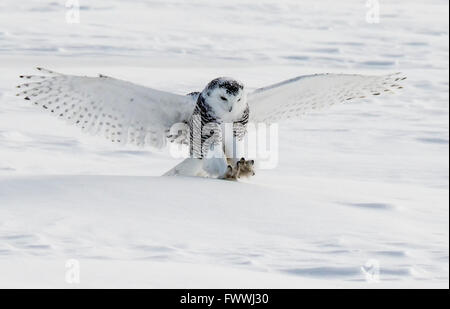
(121, 111)
(295, 97)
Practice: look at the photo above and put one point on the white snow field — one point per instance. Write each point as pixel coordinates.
(358, 188)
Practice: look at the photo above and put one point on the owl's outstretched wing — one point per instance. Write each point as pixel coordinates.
(121, 111)
(295, 97)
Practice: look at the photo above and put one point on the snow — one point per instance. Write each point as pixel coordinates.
(365, 181)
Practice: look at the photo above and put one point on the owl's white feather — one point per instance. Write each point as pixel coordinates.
(294, 97)
(124, 112)
(121, 111)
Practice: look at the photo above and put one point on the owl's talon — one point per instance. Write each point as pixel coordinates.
(229, 173)
(243, 168)
(246, 168)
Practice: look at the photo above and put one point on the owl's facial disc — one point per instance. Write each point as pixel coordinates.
(225, 95)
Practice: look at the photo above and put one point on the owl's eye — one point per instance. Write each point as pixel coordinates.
(224, 99)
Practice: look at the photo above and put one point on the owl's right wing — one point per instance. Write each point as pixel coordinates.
(294, 97)
(121, 111)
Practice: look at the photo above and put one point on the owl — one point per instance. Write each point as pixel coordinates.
(127, 113)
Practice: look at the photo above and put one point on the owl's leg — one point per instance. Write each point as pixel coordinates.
(215, 163)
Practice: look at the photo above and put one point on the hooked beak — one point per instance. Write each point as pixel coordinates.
(230, 106)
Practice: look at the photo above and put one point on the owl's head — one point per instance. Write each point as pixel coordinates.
(226, 96)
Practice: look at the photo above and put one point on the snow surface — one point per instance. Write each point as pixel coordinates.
(359, 182)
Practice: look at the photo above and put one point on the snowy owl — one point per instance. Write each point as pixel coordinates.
(124, 112)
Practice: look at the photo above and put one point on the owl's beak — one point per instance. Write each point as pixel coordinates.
(231, 108)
